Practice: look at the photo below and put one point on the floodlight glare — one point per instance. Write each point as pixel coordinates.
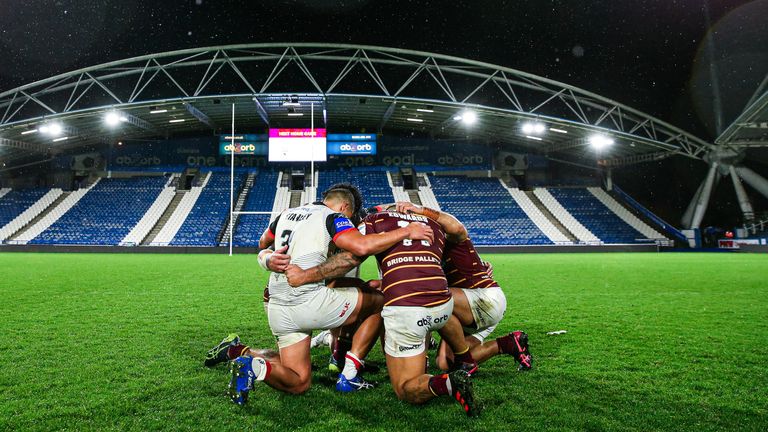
(51, 129)
(599, 142)
(112, 118)
(533, 128)
(469, 117)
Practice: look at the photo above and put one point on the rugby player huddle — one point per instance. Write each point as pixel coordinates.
(432, 279)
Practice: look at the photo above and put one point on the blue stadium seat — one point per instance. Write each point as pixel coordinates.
(206, 219)
(373, 185)
(260, 198)
(489, 212)
(15, 202)
(595, 216)
(106, 214)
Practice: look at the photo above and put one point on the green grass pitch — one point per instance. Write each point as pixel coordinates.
(655, 342)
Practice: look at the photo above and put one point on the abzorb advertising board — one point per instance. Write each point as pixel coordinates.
(297, 145)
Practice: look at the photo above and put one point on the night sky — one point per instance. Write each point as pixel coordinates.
(653, 55)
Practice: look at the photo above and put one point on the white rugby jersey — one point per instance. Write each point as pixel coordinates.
(309, 231)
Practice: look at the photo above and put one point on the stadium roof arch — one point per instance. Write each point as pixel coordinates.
(351, 87)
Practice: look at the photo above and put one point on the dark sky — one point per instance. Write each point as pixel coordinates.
(653, 55)
(649, 54)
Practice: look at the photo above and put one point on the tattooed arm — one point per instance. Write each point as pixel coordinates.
(336, 266)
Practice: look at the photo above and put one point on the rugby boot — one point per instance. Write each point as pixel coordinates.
(462, 391)
(357, 383)
(218, 354)
(516, 345)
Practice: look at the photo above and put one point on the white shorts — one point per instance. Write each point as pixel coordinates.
(488, 306)
(328, 308)
(406, 327)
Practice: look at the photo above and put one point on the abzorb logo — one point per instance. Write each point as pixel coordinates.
(343, 224)
(354, 148)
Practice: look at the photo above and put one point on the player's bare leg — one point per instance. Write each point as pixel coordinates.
(452, 333)
(293, 373)
(414, 386)
(461, 308)
(363, 341)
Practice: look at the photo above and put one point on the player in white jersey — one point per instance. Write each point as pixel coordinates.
(311, 233)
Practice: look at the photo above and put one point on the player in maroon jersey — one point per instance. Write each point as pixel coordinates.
(416, 302)
(479, 302)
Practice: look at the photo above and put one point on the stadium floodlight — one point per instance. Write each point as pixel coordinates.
(534, 138)
(177, 121)
(112, 118)
(599, 142)
(425, 110)
(533, 128)
(295, 114)
(558, 130)
(457, 117)
(158, 111)
(53, 129)
(61, 139)
(28, 131)
(469, 117)
(417, 120)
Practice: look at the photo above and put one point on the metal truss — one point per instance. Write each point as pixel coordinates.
(334, 69)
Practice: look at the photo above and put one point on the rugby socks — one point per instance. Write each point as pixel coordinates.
(352, 365)
(236, 351)
(340, 350)
(440, 385)
(261, 368)
(464, 357)
(508, 345)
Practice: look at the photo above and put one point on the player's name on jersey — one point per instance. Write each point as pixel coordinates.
(413, 258)
(411, 217)
(297, 216)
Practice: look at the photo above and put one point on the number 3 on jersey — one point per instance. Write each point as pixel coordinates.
(285, 238)
(409, 242)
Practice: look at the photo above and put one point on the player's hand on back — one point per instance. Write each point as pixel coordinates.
(407, 207)
(374, 284)
(279, 260)
(488, 268)
(420, 231)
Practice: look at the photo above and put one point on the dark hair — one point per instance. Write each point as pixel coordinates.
(351, 189)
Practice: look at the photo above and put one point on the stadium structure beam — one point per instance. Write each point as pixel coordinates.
(199, 115)
(458, 80)
(746, 206)
(260, 110)
(703, 199)
(753, 179)
(22, 145)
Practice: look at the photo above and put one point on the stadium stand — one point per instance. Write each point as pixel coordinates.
(489, 212)
(538, 218)
(373, 185)
(211, 209)
(18, 208)
(53, 215)
(426, 196)
(151, 217)
(260, 198)
(282, 198)
(595, 216)
(105, 214)
(625, 215)
(583, 234)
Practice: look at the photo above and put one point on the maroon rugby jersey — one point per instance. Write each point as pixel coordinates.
(411, 270)
(464, 268)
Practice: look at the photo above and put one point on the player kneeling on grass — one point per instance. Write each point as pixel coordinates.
(310, 233)
(416, 302)
(479, 302)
